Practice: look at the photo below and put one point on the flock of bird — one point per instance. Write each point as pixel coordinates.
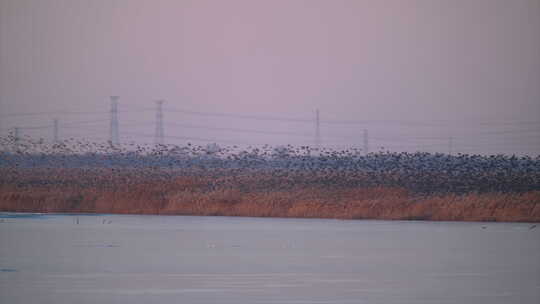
(25, 162)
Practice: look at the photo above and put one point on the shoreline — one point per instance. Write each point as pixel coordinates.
(24, 213)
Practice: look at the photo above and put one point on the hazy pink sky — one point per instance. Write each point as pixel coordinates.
(455, 61)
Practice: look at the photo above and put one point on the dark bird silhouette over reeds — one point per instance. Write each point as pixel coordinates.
(281, 168)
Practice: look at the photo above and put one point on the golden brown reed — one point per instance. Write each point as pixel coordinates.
(187, 196)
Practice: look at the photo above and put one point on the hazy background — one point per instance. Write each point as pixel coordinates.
(411, 72)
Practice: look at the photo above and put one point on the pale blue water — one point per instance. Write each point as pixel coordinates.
(180, 259)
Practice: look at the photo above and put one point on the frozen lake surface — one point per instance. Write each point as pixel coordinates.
(184, 259)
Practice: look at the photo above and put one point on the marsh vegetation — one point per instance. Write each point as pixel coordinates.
(286, 181)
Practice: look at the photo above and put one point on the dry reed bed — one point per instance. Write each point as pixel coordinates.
(100, 191)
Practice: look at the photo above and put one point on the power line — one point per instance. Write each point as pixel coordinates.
(49, 113)
(114, 138)
(72, 123)
(508, 132)
(427, 123)
(159, 135)
(55, 131)
(193, 138)
(492, 136)
(56, 113)
(317, 130)
(239, 130)
(35, 127)
(241, 116)
(366, 142)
